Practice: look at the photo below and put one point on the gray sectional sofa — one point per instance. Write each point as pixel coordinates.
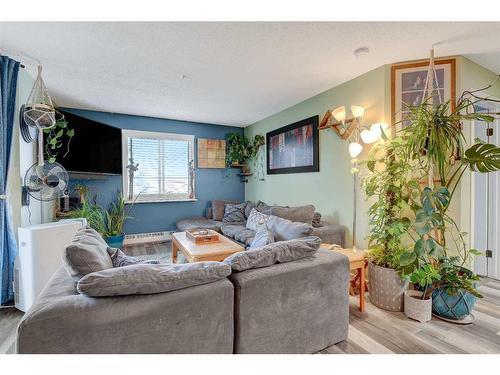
(298, 306)
(328, 232)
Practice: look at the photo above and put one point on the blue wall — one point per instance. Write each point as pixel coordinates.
(210, 183)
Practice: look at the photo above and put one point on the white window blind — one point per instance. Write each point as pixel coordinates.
(157, 166)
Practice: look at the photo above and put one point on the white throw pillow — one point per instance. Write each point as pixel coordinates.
(257, 220)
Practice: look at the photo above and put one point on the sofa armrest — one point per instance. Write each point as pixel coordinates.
(330, 233)
(294, 307)
(191, 320)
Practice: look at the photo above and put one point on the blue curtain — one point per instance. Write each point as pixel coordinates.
(9, 70)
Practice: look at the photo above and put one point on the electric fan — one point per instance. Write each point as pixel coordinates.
(47, 181)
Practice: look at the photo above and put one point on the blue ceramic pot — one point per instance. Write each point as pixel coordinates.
(455, 307)
(115, 241)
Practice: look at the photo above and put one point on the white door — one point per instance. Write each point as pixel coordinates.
(486, 198)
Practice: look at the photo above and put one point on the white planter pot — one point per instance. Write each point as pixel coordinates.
(417, 308)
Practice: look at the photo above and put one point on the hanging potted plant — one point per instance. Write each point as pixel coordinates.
(391, 187)
(241, 150)
(435, 141)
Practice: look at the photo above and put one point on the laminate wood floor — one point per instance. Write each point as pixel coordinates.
(374, 331)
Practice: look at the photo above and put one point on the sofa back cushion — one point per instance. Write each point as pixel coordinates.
(263, 207)
(262, 237)
(150, 278)
(302, 214)
(87, 253)
(257, 220)
(284, 229)
(277, 252)
(234, 214)
(218, 208)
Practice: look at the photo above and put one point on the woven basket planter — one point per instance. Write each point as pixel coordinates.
(417, 308)
(386, 288)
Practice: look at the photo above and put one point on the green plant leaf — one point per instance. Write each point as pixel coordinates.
(483, 157)
(407, 258)
(70, 133)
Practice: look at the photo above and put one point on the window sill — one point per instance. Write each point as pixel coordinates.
(162, 201)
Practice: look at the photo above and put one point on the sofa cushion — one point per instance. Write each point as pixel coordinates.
(248, 209)
(234, 213)
(257, 220)
(87, 253)
(150, 278)
(120, 259)
(239, 233)
(303, 214)
(284, 229)
(198, 223)
(277, 252)
(218, 208)
(262, 237)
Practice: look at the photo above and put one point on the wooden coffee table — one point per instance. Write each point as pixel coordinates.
(217, 251)
(357, 261)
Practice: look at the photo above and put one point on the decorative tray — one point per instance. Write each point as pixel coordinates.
(202, 236)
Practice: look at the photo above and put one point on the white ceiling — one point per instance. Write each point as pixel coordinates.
(237, 73)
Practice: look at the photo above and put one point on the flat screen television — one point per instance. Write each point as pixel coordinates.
(94, 149)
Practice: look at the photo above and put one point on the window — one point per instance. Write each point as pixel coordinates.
(157, 166)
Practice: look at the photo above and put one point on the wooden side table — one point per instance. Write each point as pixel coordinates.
(358, 263)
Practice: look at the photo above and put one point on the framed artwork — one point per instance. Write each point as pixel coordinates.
(407, 87)
(294, 148)
(211, 153)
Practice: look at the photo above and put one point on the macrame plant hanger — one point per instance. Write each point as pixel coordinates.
(431, 82)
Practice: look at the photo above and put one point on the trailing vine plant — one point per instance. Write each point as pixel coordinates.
(55, 138)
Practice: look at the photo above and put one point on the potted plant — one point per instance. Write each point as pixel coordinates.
(391, 186)
(436, 143)
(82, 191)
(241, 150)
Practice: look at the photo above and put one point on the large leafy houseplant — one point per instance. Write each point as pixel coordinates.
(241, 149)
(436, 144)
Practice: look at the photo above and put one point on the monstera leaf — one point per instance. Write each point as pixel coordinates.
(483, 157)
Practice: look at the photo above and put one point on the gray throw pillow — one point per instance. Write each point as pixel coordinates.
(263, 207)
(235, 214)
(248, 208)
(277, 252)
(151, 278)
(120, 259)
(303, 214)
(316, 222)
(263, 237)
(87, 253)
(284, 229)
(218, 208)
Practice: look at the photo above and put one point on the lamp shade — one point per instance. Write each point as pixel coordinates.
(355, 149)
(339, 113)
(357, 111)
(368, 136)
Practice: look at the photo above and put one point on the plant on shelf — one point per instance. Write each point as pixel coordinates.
(436, 144)
(241, 149)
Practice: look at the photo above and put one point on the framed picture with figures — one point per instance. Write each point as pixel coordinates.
(407, 87)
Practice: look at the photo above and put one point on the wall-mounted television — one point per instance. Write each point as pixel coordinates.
(94, 149)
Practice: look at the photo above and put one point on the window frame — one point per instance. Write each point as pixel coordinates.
(126, 134)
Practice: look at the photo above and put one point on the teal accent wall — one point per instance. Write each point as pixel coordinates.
(210, 183)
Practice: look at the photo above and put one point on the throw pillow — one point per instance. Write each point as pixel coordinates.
(234, 214)
(277, 252)
(303, 214)
(263, 207)
(248, 208)
(120, 259)
(257, 220)
(316, 222)
(218, 208)
(87, 253)
(263, 237)
(284, 229)
(150, 278)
